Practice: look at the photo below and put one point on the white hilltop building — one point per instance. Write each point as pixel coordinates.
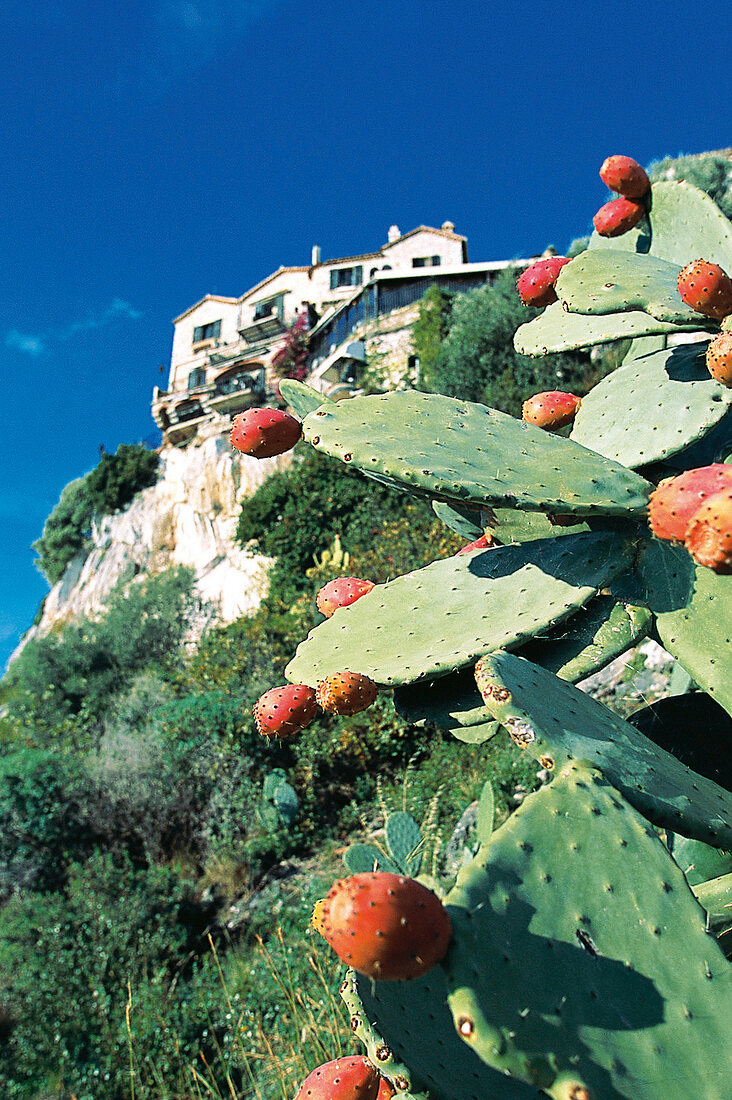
(360, 310)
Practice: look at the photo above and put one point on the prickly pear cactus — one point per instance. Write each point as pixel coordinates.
(583, 966)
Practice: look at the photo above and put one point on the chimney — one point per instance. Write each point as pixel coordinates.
(448, 227)
(394, 233)
(316, 255)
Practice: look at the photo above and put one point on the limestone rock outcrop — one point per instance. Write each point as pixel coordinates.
(189, 517)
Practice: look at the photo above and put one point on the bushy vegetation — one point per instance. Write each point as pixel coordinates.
(109, 487)
(476, 361)
(710, 172)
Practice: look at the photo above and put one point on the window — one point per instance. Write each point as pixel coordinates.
(211, 331)
(196, 378)
(346, 276)
(426, 261)
(271, 307)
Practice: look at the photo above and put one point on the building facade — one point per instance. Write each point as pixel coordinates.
(359, 308)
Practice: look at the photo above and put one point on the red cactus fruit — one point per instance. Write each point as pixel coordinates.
(346, 693)
(341, 592)
(706, 288)
(626, 176)
(284, 711)
(386, 926)
(263, 433)
(676, 500)
(353, 1078)
(719, 358)
(536, 285)
(709, 536)
(386, 1090)
(617, 217)
(551, 410)
(483, 543)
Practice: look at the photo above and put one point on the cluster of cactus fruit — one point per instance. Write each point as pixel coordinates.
(575, 957)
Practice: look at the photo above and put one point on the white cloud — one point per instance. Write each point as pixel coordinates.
(25, 342)
(35, 344)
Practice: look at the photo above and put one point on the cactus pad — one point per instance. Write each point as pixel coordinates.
(408, 1033)
(457, 450)
(681, 725)
(603, 281)
(693, 609)
(569, 929)
(301, 397)
(556, 330)
(463, 521)
(652, 407)
(557, 723)
(437, 619)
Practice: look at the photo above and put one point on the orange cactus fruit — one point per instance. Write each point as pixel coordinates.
(707, 288)
(709, 537)
(676, 500)
(341, 592)
(551, 410)
(719, 358)
(625, 176)
(386, 926)
(617, 217)
(353, 1078)
(346, 693)
(284, 711)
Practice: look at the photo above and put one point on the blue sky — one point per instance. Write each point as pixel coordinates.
(156, 151)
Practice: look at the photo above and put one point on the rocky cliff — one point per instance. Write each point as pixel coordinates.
(188, 517)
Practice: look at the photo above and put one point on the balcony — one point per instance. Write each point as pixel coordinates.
(262, 328)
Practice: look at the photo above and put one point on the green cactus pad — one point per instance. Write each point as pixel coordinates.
(302, 398)
(557, 723)
(687, 224)
(715, 896)
(693, 609)
(463, 521)
(652, 407)
(557, 330)
(681, 724)
(570, 930)
(408, 1033)
(608, 281)
(456, 450)
(437, 619)
(514, 525)
(367, 857)
(587, 643)
(699, 862)
(404, 840)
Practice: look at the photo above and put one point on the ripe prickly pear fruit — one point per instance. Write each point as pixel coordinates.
(617, 217)
(340, 593)
(483, 543)
(536, 285)
(709, 537)
(551, 410)
(719, 358)
(706, 288)
(346, 693)
(263, 433)
(386, 1090)
(386, 926)
(626, 176)
(284, 711)
(316, 919)
(353, 1078)
(676, 500)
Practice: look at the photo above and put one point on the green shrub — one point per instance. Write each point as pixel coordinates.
(43, 822)
(65, 965)
(61, 685)
(477, 361)
(106, 489)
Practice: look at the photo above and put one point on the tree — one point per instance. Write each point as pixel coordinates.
(477, 361)
(710, 172)
(430, 328)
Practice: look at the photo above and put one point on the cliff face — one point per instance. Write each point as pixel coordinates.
(188, 517)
